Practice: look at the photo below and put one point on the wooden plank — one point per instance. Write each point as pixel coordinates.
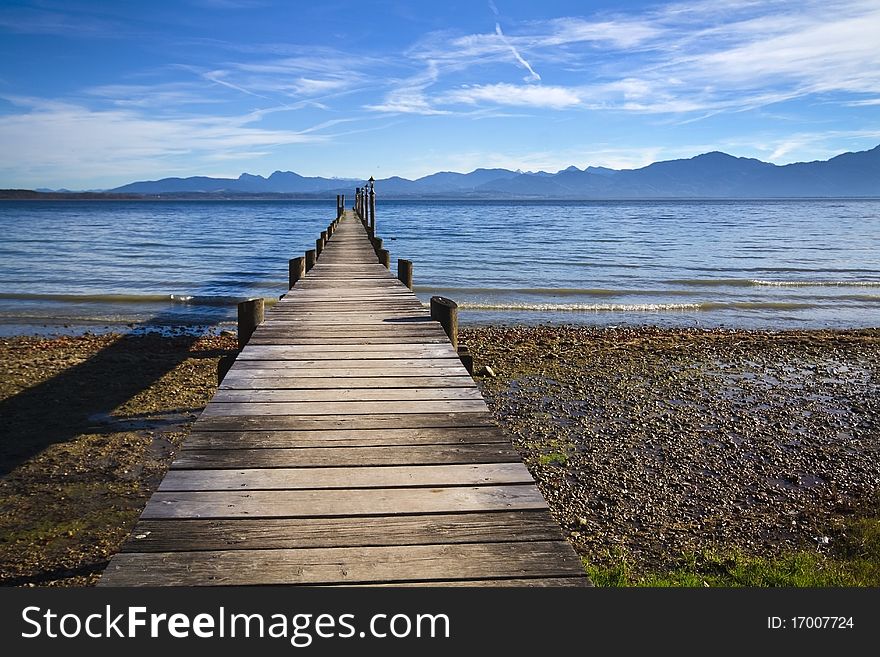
(477, 474)
(344, 422)
(257, 369)
(407, 349)
(325, 343)
(346, 394)
(344, 565)
(346, 352)
(309, 457)
(253, 380)
(320, 327)
(411, 365)
(201, 440)
(269, 533)
(333, 502)
(344, 407)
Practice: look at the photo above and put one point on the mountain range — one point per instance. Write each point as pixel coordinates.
(710, 175)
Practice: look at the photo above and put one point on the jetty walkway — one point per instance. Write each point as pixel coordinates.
(347, 445)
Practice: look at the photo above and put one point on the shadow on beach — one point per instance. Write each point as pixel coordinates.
(78, 399)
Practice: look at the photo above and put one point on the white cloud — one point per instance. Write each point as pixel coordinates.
(515, 95)
(622, 33)
(52, 136)
(697, 58)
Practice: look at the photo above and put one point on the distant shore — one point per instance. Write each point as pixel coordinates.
(648, 443)
(327, 197)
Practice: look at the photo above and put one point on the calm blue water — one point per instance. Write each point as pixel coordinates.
(757, 264)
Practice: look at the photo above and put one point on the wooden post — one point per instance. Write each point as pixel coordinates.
(223, 366)
(377, 244)
(404, 272)
(296, 270)
(319, 247)
(372, 206)
(325, 235)
(311, 256)
(464, 355)
(250, 316)
(384, 258)
(445, 311)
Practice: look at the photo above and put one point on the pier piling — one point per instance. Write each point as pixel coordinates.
(250, 316)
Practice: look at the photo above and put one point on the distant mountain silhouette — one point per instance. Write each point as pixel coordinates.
(710, 175)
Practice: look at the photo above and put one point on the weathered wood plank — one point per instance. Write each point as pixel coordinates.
(342, 393)
(289, 369)
(345, 422)
(200, 440)
(346, 352)
(328, 343)
(334, 502)
(309, 457)
(477, 474)
(410, 365)
(271, 533)
(345, 565)
(344, 407)
(253, 380)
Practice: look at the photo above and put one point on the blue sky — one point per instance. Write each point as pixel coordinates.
(97, 94)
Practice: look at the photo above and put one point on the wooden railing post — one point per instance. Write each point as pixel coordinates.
(296, 270)
(311, 256)
(404, 272)
(250, 316)
(372, 208)
(445, 311)
(384, 258)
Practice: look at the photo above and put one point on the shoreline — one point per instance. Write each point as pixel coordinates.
(648, 443)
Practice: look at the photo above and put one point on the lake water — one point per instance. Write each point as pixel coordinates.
(752, 264)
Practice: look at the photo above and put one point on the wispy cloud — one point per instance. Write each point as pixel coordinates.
(51, 136)
(700, 58)
(515, 95)
(532, 76)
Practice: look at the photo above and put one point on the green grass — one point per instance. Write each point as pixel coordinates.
(554, 458)
(854, 562)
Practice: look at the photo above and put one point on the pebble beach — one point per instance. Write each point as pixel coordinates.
(648, 443)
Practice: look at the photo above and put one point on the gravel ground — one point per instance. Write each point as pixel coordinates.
(646, 442)
(90, 424)
(649, 443)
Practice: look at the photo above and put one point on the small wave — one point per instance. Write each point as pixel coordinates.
(132, 299)
(634, 307)
(550, 291)
(712, 282)
(755, 282)
(537, 291)
(755, 305)
(762, 283)
(581, 307)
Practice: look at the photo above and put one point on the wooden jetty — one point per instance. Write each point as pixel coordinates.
(347, 445)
